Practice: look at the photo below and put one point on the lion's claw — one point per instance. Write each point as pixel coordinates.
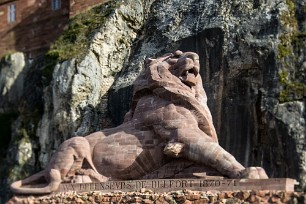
(254, 173)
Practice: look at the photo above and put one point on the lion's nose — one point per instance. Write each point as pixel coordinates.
(194, 57)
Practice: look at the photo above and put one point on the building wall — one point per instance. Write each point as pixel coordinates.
(7, 36)
(36, 25)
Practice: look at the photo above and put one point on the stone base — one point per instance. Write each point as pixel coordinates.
(166, 185)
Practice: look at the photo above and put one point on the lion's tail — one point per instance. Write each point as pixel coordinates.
(54, 182)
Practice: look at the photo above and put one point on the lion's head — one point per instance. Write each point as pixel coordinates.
(186, 67)
(175, 77)
(177, 71)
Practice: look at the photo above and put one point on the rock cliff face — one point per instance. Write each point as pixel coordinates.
(77, 99)
(253, 63)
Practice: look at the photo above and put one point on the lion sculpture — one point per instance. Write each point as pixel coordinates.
(169, 118)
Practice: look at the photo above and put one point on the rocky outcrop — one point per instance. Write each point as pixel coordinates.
(20, 110)
(252, 55)
(11, 81)
(77, 99)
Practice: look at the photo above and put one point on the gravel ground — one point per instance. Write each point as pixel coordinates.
(148, 197)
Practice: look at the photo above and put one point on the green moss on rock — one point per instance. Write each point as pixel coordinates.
(283, 51)
(74, 42)
(290, 42)
(291, 87)
(291, 90)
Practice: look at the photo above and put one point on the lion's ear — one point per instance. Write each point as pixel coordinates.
(178, 53)
(148, 60)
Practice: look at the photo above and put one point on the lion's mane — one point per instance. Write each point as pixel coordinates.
(157, 79)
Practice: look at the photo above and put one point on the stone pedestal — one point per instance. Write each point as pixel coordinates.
(166, 185)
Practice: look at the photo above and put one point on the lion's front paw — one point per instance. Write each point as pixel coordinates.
(254, 173)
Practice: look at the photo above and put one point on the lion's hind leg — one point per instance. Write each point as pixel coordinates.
(71, 156)
(62, 167)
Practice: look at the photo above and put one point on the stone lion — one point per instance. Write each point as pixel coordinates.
(169, 118)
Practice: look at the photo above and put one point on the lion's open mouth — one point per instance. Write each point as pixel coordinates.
(188, 76)
(186, 67)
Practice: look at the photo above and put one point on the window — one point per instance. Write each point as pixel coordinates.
(56, 4)
(11, 14)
